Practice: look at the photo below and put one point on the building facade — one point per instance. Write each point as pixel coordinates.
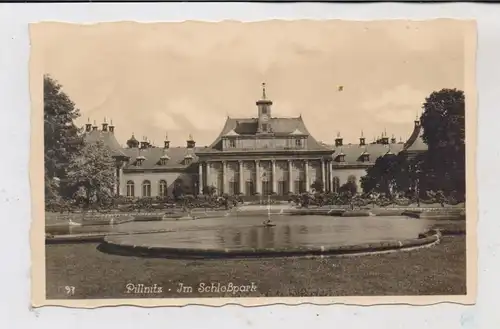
(261, 155)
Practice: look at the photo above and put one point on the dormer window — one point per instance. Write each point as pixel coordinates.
(188, 159)
(232, 143)
(298, 142)
(341, 157)
(365, 156)
(139, 160)
(164, 159)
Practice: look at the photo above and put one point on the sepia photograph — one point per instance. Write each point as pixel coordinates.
(253, 162)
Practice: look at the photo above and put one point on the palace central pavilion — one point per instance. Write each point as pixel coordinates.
(264, 155)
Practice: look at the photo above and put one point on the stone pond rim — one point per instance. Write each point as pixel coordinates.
(127, 249)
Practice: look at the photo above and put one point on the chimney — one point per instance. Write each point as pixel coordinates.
(190, 142)
(384, 139)
(94, 127)
(111, 127)
(104, 125)
(166, 142)
(338, 140)
(144, 143)
(88, 126)
(417, 121)
(362, 140)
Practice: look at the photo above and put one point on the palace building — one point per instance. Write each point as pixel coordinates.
(261, 155)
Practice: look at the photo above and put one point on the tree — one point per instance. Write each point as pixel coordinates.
(61, 136)
(389, 174)
(443, 123)
(209, 190)
(318, 185)
(348, 188)
(92, 174)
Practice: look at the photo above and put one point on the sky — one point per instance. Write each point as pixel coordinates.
(153, 79)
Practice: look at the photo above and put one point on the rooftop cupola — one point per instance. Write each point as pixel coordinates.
(362, 139)
(264, 109)
(190, 143)
(338, 140)
(393, 139)
(132, 142)
(88, 126)
(104, 125)
(384, 140)
(417, 121)
(111, 127)
(166, 142)
(94, 127)
(144, 144)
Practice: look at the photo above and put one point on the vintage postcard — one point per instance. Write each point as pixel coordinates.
(253, 163)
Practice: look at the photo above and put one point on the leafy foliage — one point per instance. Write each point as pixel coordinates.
(389, 174)
(92, 175)
(443, 123)
(318, 185)
(61, 136)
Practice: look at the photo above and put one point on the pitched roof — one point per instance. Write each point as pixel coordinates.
(108, 138)
(153, 155)
(416, 143)
(278, 127)
(352, 152)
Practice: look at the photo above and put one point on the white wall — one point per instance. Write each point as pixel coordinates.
(155, 179)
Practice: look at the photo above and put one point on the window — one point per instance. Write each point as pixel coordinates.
(233, 188)
(249, 188)
(130, 189)
(163, 188)
(298, 142)
(282, 187)
(232, 143)
(266, 188)
(264, 127)
(146, 188)
(264, 110)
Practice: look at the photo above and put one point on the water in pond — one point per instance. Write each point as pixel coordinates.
(290, 231)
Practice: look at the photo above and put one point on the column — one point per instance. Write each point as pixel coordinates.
(225, 188)
(200, 178)
(331, 176)
(274, 182)
(290, 183)
(208, 172)
(323, 176)
(258, 184)
(242, 187)
(306, 171)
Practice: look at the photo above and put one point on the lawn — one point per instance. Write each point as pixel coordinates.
(436, 270)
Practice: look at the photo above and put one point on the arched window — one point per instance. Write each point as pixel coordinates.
(146, 188)
(336, 184)
(130, 188)
(163, 188)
